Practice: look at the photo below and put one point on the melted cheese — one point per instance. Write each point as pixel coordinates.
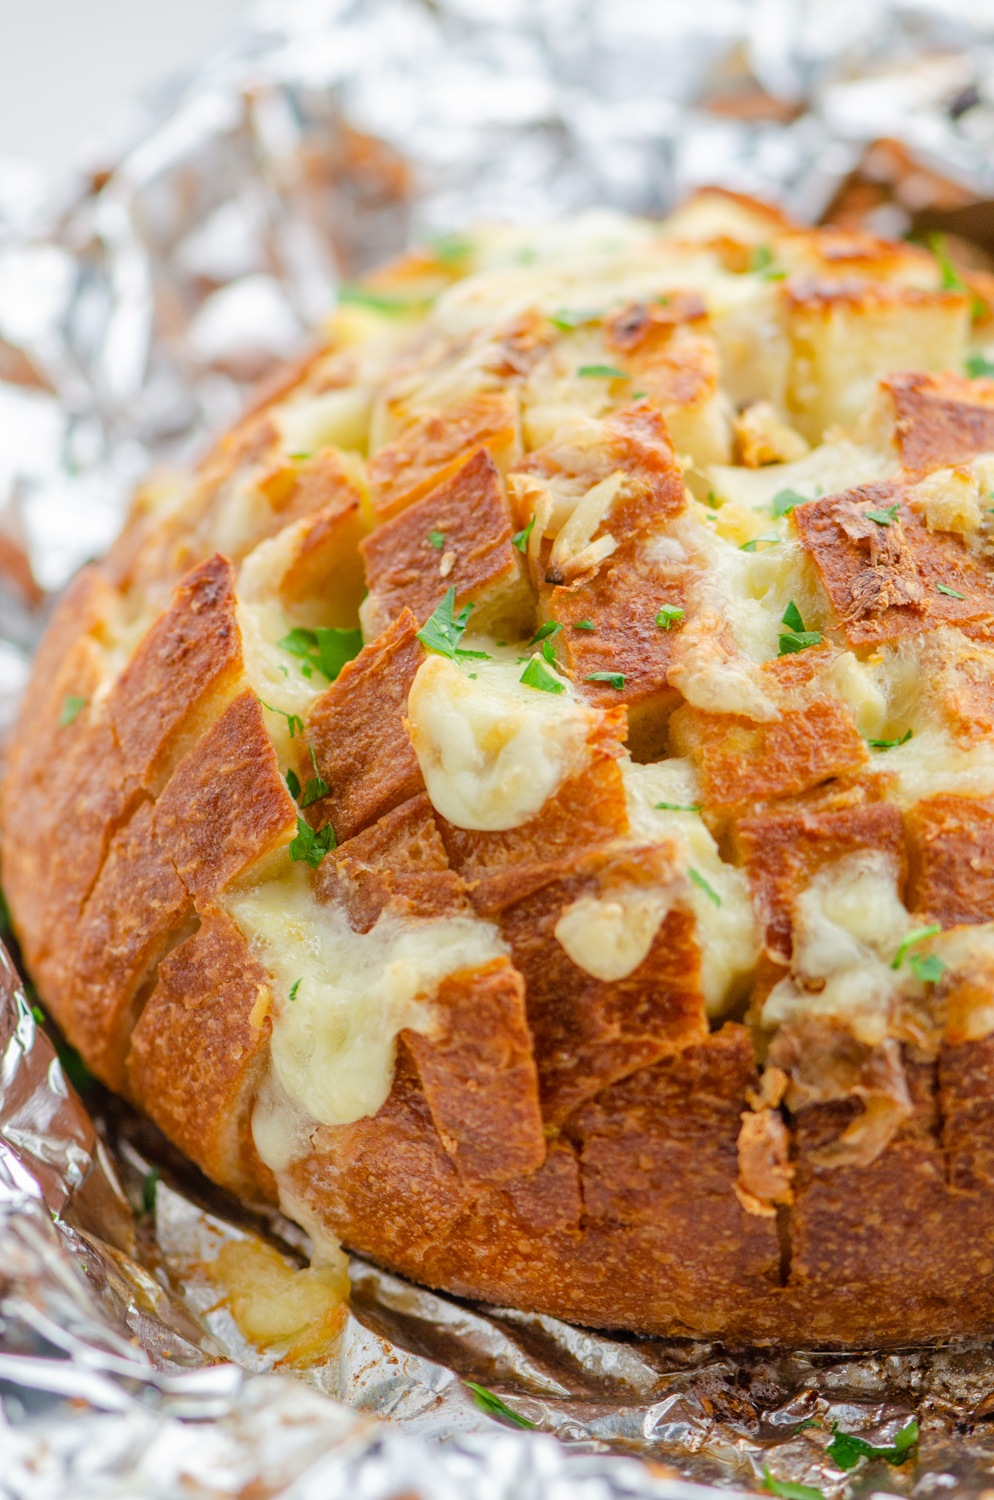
(333, 1046)
(341, 417)
(727, 935)
(492, 751)
(836, 465)
(609, 936)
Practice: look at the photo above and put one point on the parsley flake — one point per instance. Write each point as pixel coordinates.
(768, 536)
(945, 589)
(567, 318)
(977, 365)
(639, 395)
(702, 885)
(310, 846)
(360, 296)
(889, 744)
(544, 631)
(294, 988)
(293, 783)
(788, 1490)
(602, 372)
(520, 538)
(584, 625)
(616, 679)
(928, 969)
(798, 640)
(494, 1406)
(38, 1014)
(451, 249)
(324, 650)
(668, 615)
(442, 631)
(150, 1187)
(537, 675)
(679, 806)
(883, 517)
(783, 502)
(761, 257)
(437, 539)
(72, 707)
(792, 617)
(918, 936)
(846, 1449)
(294, 722)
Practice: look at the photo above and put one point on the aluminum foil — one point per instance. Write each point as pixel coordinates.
(139, 302)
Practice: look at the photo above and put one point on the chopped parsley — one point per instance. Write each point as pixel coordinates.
(783, 502)
(310, 846)
(150, 1188)
(929, 969)
(567, 318)
(788, 1490)
(584, 625)
(437, 539)
(38, 1014)
(451, 249)
(294, 988)
(72, 707)
(768, 536)
(544, 631)
(323, 650)
(883, 517)
(442, 631)
(668, 616)
(638, 395)
(520, 538)
(795, 637)
(846, 1449)
(602, 372)
(944, 588)
(537, 675)
(918, 936)
(889, 744)
(951, 279)
(679, 806)
(616, 679)
(761, 257)
(977, 365)
(702, 885)
(494, 1406)
(316, 787)
(294, 722)
(360, 296)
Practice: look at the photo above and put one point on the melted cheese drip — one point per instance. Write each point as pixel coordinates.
(492, 751)
(609, 936)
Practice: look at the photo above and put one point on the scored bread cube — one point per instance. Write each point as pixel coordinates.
(966, 1109)
(398, 863)
(740, 761)
(609, 624)
(951, 847)
(200, 1049)
(225, 807)
(458, 536)
(432, 447)
(844, 335)
(936, 420)
(184, 668)
(313, 567)
(892, 577)
(356, 730)
(136, 906)
(782, 851)
(479, 1076)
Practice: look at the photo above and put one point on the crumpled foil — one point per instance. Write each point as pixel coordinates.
(139, 301)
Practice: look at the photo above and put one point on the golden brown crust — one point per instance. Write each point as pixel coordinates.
(940, 419)
(433, 447)
(951, 845)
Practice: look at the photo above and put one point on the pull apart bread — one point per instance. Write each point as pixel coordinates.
(527, 804)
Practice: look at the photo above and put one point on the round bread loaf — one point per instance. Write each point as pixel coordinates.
(527, 804)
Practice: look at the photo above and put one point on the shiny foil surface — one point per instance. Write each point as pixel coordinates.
(139, 303)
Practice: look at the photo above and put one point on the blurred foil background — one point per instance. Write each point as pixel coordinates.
(138, 305)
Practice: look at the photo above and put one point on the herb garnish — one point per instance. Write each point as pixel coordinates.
(889, 744)
(544, 631)
(437, 539)
(788, 1490)
(760, 258)
(310, 845)
(316, 787)
(846, 1449)
(72, 707)
(679, 806)
(584, 625)
(702, 885)
(602, 372)
(783, 502)
(567, 319)
(977, 365)
(324, 650)
(294, 722)
(494, 1406)
(795, 637)
(929, 969)
(616, 679)
(294, 988)
(150, 1187)
(442, 631)
(883, 517)
(951, 279)
(944, 588)
(918, 936)
(768, 536)
(520, 538)
(359, 296)
(537, 675)
(668, 616)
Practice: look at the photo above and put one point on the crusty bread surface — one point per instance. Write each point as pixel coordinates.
(526, 804)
